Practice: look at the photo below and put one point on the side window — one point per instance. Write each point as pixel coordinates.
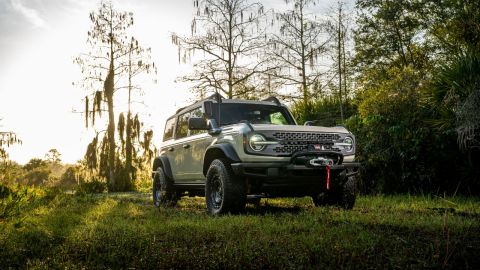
(168, 134)
(196, 113)
(277, 118)
(182, 126)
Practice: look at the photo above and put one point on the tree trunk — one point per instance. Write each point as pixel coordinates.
(339, 49)
(109, 90)
(111, 144)
(303, 68)
(128, 149)
(128, 146)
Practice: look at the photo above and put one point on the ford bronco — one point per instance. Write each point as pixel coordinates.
(238, 151)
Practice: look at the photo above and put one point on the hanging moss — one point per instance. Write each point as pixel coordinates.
(86, 111)
(137, 127)
(98, 102)
(121, 129)
(91, 154)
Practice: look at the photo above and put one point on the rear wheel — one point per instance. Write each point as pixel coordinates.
(254, 201)
(162, 190)
(224, 192)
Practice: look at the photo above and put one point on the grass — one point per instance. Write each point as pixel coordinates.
(125, 231)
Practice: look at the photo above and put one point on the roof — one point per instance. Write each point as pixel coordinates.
(213, 98)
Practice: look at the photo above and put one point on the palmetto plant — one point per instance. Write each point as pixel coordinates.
(456, 96)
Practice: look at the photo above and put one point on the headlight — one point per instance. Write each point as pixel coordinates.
(257, 142)
(348, 144)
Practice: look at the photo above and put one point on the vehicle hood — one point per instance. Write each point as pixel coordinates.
(298, 128)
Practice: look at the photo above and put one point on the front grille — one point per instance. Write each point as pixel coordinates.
(306, 136)
(291, 142)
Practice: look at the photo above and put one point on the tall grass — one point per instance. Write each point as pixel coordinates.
(124, 230)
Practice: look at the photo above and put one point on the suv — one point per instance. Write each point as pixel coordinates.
(238, 151)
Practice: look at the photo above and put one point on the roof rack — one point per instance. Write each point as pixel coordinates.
(273, 99)
(216, 97)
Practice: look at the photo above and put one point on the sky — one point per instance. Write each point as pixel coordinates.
(39, 40)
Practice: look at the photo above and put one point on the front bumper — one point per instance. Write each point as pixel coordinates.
(289, 180)
(282, 170)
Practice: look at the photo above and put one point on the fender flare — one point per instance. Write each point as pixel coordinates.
(162, 161)
(223, 148)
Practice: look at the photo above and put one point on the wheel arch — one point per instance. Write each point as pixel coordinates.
(162, 161)
(213, 152)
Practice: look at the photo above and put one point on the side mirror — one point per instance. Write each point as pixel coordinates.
(309, 123)
(208, 109)
(197, 123)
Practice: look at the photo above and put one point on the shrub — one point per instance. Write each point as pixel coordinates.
(13, 199)
(94, 186)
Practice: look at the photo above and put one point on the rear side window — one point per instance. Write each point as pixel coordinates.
(182, 126)
(196, 113)
(168, 134)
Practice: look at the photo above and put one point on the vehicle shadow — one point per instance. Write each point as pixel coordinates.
(266, 209)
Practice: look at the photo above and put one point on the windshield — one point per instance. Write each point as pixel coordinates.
(232, 113)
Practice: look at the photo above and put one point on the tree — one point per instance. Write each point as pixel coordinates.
(231, 41)
(338, 29)
(7, 138)
(454, 26)
(111, 65)
(298, 46)
(139, 61)
(53, 156)
(386, 35)
(37, 171)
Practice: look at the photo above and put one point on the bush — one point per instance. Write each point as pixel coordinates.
(71, 177)
(13, 199)
(94, 186)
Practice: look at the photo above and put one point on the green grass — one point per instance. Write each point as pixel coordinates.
(126, 231)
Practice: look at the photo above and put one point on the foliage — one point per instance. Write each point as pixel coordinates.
(71, 177)
(413, 96)
(6, 140)
(53, 156)
(387, 35)
(11, 172)
(455, 95)
(124, 230)
(454, 25)
(91, 187)
(37, 172)
(323, 111)
(13, 199)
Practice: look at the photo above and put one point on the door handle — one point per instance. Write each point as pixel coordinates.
(186, 146)
(171, 149)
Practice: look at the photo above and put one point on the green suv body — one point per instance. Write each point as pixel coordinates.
(239, 151)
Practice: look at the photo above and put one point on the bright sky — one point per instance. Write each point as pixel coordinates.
(38, 41)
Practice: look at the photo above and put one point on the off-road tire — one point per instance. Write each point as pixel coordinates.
(322, 199)
(254, 201)
(224, 192)
(162, 189)
(349, 194)
(343, 197)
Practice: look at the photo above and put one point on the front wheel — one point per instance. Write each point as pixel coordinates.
(344, 197)
(224, 192)
(349, 194)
